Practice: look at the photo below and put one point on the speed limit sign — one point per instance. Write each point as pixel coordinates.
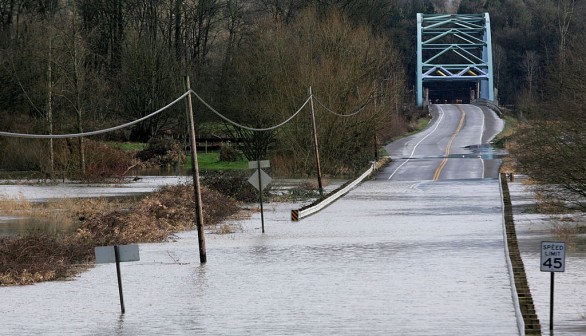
(553, 256)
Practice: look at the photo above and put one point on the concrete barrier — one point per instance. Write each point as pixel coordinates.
(527, 320)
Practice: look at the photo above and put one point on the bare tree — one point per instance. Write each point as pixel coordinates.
(551, 148)
(565, 11)
(345, 66)
(530, 66)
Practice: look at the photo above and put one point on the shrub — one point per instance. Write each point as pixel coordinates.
(103, 161)
(229, 153)
(231, 183)
(162, 152)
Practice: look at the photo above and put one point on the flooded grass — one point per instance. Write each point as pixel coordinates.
(57, 215)
(41, 257)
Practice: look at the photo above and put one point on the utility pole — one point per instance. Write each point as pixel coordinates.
(318, 166)
(195, 171)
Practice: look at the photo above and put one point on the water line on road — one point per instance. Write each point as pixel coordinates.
(447, 152)
(441, 117)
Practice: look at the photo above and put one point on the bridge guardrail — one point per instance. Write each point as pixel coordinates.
(488, 103)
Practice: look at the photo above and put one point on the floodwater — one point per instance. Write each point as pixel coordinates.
(35, 192)
(569, 295)
(389, 258)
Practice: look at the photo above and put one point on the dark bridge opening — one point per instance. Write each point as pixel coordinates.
(450, 92)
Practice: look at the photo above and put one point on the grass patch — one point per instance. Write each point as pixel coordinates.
(206, 161)
(510, 126)
(414, 127)
(421, 124)
(211, 161)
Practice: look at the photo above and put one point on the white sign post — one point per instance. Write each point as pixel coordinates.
(553, 259)
(260, 180)
(117, 254)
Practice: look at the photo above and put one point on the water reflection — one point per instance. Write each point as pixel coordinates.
(39, 193)
(10, 226)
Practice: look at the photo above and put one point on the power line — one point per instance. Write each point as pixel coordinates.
(339, 114)
(246, 127)
(77, 135)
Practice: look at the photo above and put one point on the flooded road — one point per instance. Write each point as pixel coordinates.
(389, 258)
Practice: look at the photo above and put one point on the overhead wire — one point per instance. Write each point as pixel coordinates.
(339, 114)
(246, 127)
(206, 104)
(77, 135)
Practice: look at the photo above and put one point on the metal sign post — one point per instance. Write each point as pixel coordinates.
(553, 259)
(260, 180)
(117, 254)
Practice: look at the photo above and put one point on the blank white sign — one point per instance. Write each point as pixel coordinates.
(106, 255)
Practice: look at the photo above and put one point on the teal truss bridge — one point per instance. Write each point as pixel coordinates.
(454, 58)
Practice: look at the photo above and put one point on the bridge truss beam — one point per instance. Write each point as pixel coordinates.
(454, 47)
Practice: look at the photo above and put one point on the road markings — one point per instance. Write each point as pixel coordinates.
(447, 151)
(481, 135)
(441, 111)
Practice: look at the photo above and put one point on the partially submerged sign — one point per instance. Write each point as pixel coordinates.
(117, 254)
(106, 254)
(553, 259)
(260, 183)
(260, 180)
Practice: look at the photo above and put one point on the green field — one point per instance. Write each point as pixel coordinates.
(206, 161)
(211, 161)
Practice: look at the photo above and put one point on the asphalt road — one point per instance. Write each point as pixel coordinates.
(454, 146)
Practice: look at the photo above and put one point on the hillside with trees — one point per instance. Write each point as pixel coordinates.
(72, 66)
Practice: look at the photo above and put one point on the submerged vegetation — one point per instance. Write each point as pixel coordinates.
(35, 257)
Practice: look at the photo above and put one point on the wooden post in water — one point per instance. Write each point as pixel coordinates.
(317, 163)
(195, 171)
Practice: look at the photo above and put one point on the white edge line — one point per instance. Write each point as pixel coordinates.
(481, 134)
(420, 141)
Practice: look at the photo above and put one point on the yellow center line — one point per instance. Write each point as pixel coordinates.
(439, 169)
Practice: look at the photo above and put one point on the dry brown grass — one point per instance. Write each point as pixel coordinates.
(567, 227)
(12, 205)
(225, 228)
(29, 259)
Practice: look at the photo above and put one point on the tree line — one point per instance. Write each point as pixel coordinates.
(69, 66)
